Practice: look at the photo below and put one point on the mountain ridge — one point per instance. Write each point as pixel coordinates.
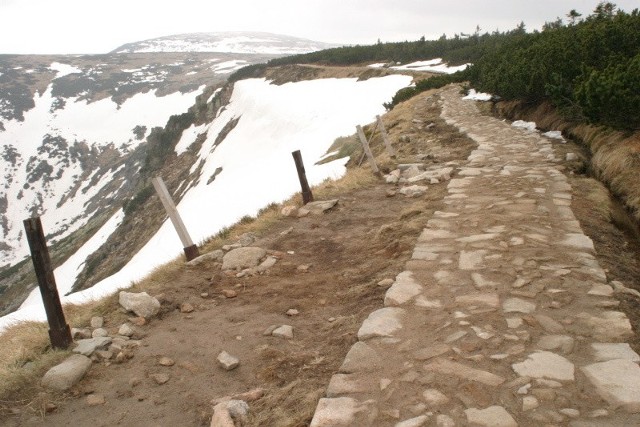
(227, 41)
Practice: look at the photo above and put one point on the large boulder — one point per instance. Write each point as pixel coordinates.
(142, 304)
(243, 258)
(63, 376)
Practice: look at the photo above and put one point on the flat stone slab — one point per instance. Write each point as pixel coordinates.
(384, 322)
(518, 305)
(471, 260)
(341, 384)
(490, 299)
(545, 364)
(342, 412)
(86, 347)
(617, 382)
(608, 326)
(612, 351)
(63, 376)
(578, 241)
(403, 290)
(361, 358)
(317, 207)
(447, 367)
(493, 416)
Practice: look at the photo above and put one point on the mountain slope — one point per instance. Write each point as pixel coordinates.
(233, 42)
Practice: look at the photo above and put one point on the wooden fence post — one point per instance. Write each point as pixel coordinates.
(385, 137)
(59, 332)
(307, 196)
(367, 150)
(190, 250)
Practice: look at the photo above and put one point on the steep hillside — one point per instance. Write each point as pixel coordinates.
(81, 135)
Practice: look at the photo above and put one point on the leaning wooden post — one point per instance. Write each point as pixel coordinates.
(385, 137)
(190, 250)
(307, 196)
(367, 150)
(59, 332)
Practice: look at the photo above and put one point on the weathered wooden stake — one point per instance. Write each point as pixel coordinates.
(190, 250)
(367, 150)
(307, 196)
(385, 137)
(59, 332)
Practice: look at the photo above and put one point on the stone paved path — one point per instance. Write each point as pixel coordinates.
(503, 316)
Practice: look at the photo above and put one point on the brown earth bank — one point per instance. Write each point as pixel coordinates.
(328, 269)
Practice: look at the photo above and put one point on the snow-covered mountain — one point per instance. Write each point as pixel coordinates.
(234, 42)
(80, 137)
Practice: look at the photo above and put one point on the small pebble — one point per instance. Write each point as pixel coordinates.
(292, 312)
(95, 399)
(186, 308)
(166, 361)
(229, 293)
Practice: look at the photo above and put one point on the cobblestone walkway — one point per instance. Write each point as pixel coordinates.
(503, 317)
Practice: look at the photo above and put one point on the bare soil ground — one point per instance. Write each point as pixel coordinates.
(366, 238)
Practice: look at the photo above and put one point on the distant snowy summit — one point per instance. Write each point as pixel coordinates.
(231, 42)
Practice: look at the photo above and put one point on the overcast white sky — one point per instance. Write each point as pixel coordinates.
(85, 26)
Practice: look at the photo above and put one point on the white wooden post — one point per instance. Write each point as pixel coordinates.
(367, 150)
(190, 250)
(385, 137)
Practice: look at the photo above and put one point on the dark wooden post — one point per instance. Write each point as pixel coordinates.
(190, 249)
(307, 196)
(59, 331)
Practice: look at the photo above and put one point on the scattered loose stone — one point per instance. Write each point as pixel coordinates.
(229, 293)
(80, 333)
(97, 322)
(215, 255)
(160, 378)
(142, 304)
(186, 308)
(529, 403)
(385, 283)
(292, 312)
(99, 333)
(570, 412)
(413, 190)
(63, 376)
(95, 399)
(166, 361)
(126, 330)
(284, 331)
(317, 208)
(227, 361)
(290, 211)
(87, 346)
(244, 257)
(270, 329)
(434, 397)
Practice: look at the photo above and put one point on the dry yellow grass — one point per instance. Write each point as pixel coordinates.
(615, 155)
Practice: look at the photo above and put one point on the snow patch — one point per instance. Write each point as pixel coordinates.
(63, 69)
(478, 96)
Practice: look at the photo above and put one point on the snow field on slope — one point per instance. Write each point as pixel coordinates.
(256, 159)
(98, 124)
